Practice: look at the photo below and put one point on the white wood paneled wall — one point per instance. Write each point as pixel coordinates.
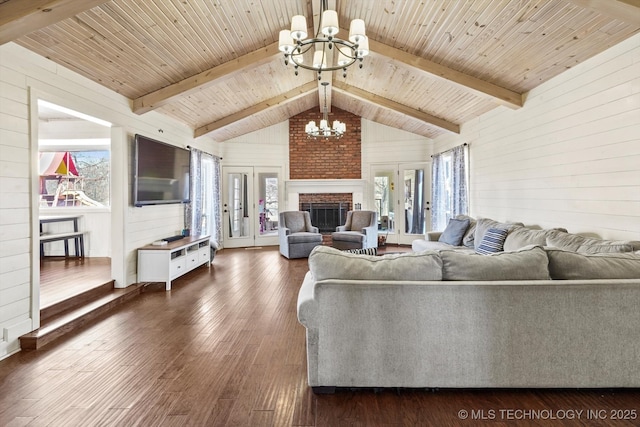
(571, 157)
(23, 74)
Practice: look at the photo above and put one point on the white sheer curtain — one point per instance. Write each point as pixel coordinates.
(449, 186)
(203, 215)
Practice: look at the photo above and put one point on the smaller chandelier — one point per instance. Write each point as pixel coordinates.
(336, 130)
(294, 46)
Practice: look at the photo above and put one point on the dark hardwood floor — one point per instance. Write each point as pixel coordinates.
(62, 278)
(224, 348)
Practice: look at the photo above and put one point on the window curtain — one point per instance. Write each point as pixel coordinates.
(438, 206)
(449, 188)
(199, 209)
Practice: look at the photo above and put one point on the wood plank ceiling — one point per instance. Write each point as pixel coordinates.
(214, 65)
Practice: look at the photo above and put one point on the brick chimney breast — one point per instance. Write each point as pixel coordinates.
(325, 158)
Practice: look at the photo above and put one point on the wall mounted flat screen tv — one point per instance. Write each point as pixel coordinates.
(161, 173)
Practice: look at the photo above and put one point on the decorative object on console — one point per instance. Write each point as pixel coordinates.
(294, 46)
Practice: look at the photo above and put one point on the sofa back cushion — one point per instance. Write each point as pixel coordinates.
(529, 263)
(295, 221)
(582, 244)
(361, 219)
(330, 263)
(469, 235)
(567, 265)
(519, 237)
(483, 224)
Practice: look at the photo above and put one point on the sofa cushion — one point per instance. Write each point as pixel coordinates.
(454, 232)
(578, 243)
(606, 248)
(330, 263)
(420, 245)
(469, 235)
(304, 237)
(567, 265)
(492, 242)
(294, 221)
(519, 237)
(529, 263)
(360, 220)
(483, 224)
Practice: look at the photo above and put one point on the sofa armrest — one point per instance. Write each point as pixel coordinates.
(314, 230)
(433, 236)
(341, 228)
(372, 236)
(307, 306)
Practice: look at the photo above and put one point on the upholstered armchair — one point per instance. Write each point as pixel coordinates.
(360, 231)
(297, 236)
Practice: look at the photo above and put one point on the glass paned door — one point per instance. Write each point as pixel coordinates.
(268, 186)
(250, 206)
(238, 187)
(401, 197)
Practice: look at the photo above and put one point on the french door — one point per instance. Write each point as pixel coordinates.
(401, 195)
(250, 206)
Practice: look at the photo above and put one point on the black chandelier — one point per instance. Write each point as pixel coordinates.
(294, 44)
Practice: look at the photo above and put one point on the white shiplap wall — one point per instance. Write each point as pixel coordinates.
(384, 144)
(23, 77)
(570, 157)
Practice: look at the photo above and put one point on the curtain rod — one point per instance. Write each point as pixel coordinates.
(190, 147)
(462, 145)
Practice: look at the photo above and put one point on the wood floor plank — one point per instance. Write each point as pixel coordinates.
(224, 348)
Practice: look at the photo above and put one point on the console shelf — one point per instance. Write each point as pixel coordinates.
(166, 263)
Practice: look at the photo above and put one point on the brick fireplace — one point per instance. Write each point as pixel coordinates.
(325, 174)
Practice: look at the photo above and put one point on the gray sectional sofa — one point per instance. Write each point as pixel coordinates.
(535, 316)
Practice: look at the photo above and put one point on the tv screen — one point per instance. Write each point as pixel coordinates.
(161, 173)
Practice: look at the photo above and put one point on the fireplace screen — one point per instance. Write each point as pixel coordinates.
(327, 216)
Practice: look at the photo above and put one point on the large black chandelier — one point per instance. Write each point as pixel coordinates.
(295, 45)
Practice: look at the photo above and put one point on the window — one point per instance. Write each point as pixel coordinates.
(73, 175)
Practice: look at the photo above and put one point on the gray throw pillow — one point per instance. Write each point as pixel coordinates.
(567, 265)
(527, 264)
(454, 232)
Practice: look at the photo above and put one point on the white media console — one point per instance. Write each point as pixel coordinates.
(170, 261)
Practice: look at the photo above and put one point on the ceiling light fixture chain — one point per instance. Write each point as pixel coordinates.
(337, 129)
(294, 43)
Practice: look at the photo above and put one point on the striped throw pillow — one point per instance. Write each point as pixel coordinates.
(366, 251)
(493, 241)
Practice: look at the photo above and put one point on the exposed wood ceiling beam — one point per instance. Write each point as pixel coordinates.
(498, 94)
(369, 97)
(20, 17)
(327, 76)
(623, 10)
(276, 101)
(204, 79)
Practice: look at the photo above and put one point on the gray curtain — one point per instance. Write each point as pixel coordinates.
(449, 202)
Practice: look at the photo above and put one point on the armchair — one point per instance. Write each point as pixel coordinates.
(360, 231)
(296, 234)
